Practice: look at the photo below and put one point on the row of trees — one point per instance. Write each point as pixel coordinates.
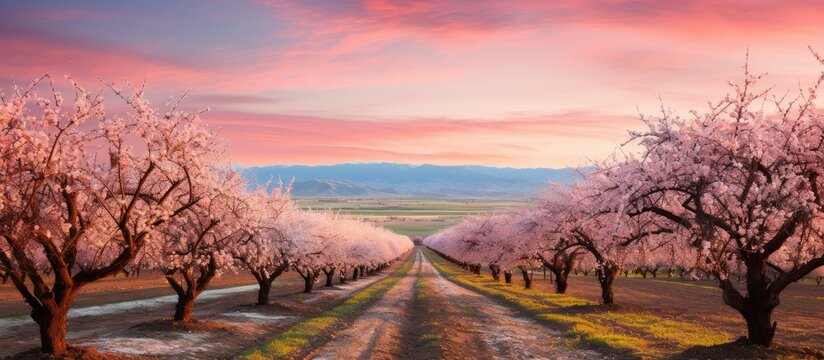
(85, 195)
(735, 192)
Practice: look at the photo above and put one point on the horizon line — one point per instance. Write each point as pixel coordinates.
(243, 166)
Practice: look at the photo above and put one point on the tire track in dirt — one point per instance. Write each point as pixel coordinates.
(377, 332)
(497, 331)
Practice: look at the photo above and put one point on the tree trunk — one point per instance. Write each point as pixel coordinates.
(496, 272)
(52, 329)
(606, 276)
(183, 308)
(329, 276)
(760, 327)
(263, 291)
(561, 278)
(308, 283)
(527, 278)
(818, 280)
(355, 274)
(758, 305)
(757, 310)
(342, 276)
(508, 277)
(265, 280)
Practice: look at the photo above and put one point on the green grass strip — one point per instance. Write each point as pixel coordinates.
(290, 342)
(430, 338)
(644, 335)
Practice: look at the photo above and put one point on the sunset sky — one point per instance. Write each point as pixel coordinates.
(523, 84)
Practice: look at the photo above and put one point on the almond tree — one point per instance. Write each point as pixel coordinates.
(466, 243)
(82, 191)
(591, 216)
(269, 235)
(819, 275)
(195, 247)
(499, 240)
(546, 240)
(330, 242)
(746, 186)
(317, 232)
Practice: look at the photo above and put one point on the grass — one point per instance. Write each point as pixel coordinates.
(411, 212)
(587, 323)
(431, 338)
(317, 328)
(408, 204)
(417, 229)
(408, 207)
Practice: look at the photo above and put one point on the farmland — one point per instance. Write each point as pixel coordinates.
(411, 217)
(432, 308)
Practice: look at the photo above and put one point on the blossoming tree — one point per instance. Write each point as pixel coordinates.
(268, 226)
(195, 247)
(82, 192)
(746, 185)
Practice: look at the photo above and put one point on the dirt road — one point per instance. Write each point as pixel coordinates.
(465, 325)
(377, 332)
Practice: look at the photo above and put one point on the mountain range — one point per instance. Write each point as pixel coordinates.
(367, 180)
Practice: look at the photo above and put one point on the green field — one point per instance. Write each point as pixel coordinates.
(412, 217)
(404, 206)
(422, 229)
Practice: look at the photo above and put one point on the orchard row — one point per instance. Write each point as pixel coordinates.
(736, 193)
(85, 195)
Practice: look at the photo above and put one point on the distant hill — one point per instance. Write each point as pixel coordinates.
(405, 180)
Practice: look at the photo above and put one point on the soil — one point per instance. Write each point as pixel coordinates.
(375, 334)
(120, 288)
(226, 323)
(800, 319)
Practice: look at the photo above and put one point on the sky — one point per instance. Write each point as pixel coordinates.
(500, 83)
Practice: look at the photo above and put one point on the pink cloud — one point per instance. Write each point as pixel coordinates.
(439, 18)
(261, 139)
(442, 80)
(29, 55)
